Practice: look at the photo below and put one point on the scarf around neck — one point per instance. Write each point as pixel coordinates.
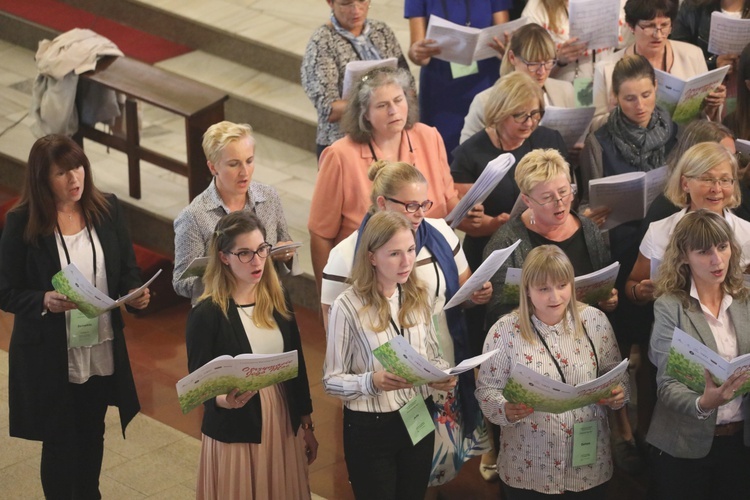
(362, 44)
(642, 147)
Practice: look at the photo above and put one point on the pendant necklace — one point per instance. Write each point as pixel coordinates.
(248, 315)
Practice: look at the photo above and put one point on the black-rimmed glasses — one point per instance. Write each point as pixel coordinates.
(536, 66)
(247, 256)
(413, 206)
(652, 29)
(535, 116)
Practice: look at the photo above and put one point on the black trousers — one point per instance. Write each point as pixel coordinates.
(595, 493)
(382, 462)
(72, 460)
(723, 474)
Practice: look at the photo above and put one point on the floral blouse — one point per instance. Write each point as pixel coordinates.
(536, 453)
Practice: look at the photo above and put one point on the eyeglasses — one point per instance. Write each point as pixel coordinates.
(535, 116)
(350, 5)
(562, 197)
(651, 29)
(724, 182)
(413, 206)
(247, 256)
(534, 67)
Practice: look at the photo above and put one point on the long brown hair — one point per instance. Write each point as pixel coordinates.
(219, 281)
(37, 197)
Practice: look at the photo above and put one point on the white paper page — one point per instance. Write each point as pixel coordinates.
(625, 194)
(196, 268)
(483, 50)
(284, 248)
(570, 122)
(595, 22)
(696, 351)
(422, 371)
(482, 275)
(597, 286)
(654, 274)
(481, 189)
(728, 35)
(135, 293)
(668, 90)
(468, 364)
(513, 276)
(457, 43)
(355, 70)
(217, 367)
(656, 179)
(88, 292)
(695, 91)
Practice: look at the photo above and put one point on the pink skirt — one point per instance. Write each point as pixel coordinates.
(274, 468)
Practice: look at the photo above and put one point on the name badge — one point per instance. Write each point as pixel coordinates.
(584, 443)
(83, 331)
(584, 90)
(460, 70)
(417, 419)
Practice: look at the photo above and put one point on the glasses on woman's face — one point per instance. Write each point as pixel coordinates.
(352, 4)
(534, 67)
(563, 196)
(650, 29)
(535, 116)
(724, 182)
(413, 206)
(247, 256)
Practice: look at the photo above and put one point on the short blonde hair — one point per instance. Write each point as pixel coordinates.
(540, 165)
(530, 42)
(508, 95)
(546, 263)
(389, 177)
(696, 161)
(219, 135)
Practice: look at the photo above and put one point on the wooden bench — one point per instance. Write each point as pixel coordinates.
(199, 104)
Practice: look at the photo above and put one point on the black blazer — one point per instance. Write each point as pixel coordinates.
(38, 357)
(209, 335)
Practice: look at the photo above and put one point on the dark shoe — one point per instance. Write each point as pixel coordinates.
(627, 457)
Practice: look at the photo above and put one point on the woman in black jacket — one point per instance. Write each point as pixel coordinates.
(63, 375)
(251, 445)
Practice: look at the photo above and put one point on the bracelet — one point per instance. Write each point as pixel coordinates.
(306, 426)
(635, 296)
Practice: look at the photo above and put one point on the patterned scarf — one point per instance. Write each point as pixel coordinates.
(362, 44)
(641, 147)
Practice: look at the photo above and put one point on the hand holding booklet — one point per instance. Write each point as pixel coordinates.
(688, 357)
(464, 44)
(683, 99)
(399, 358)
(481, 189)
(91, 301)
(246, 372)
(552, 396)
(482, 275)
(628, 195)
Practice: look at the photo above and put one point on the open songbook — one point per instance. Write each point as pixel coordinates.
(552, 396)
(683, 99)
(628, 195)
(399, 358)
(246, 372)
(91, 301)
(688, 357)
(464, 44)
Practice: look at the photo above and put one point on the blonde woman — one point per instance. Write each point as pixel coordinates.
(701, 439)
(385, 300)
(255, 444)
(566, 341)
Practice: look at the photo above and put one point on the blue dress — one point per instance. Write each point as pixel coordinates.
(443, 100)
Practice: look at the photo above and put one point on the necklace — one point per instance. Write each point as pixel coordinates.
(69, 214)
(248, 315)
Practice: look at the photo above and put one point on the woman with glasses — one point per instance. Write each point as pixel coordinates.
(255, 444)
(380, 124)
(531, 51)
(701, 437)
(386, 300)
(442, 267)
(348, 36)
(446, 89)
(651, 24)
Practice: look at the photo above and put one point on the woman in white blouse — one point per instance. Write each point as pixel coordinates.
(385, 300)
(566, 341)
(700, 432)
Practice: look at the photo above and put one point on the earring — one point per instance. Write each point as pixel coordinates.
(531, 219)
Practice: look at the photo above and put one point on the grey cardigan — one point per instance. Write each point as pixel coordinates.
(675, 427)
(514, 230)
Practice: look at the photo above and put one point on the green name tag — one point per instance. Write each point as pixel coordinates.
(417, 419)
(584, 443)
(83, 331)
(459, 70)
(584, 89)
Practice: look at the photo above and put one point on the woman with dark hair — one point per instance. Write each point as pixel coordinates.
(700, 439)
(255, 444)
(66, 369)
(739, 120)
(381, 124)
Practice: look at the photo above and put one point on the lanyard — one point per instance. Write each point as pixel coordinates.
(91, 240)
(467, 4)
(375, 157)
(557, 365)
(400, 330)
